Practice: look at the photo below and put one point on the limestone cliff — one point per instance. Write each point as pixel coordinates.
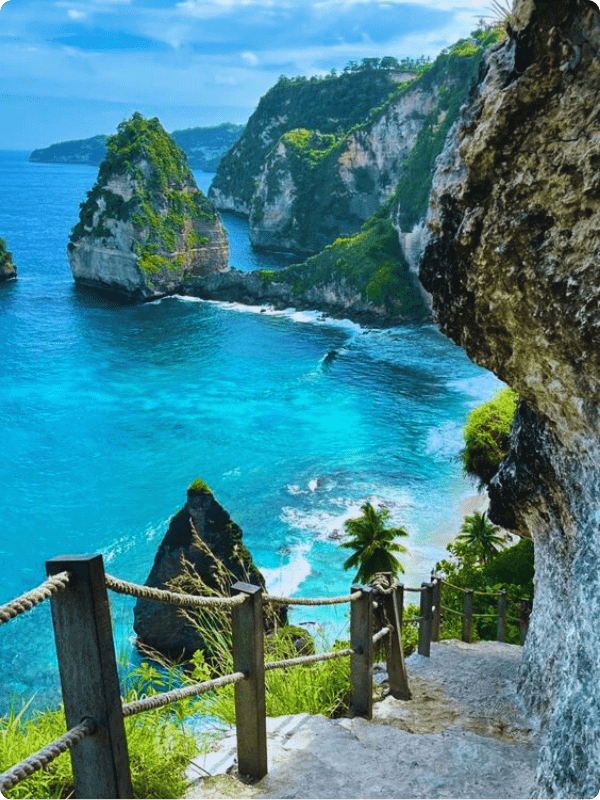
(7, 268)
(145, 228)
(513, 267)
(203, 534)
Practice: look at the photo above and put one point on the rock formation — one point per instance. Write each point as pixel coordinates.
(513, 267)
(203, 534)
(7, 268)
(145, 228)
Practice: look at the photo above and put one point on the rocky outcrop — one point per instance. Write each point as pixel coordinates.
(335, 297)
(512, 265)
(8, 271)
(203, 535)
(145, 228)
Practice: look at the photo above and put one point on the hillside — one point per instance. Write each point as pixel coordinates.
(204, 147)
(330, 104)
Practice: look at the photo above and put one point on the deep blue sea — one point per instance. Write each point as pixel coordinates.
(108, 413)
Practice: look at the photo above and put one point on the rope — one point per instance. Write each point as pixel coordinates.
(46, 755)
(172, 598)
(292, 662)
(451, 585)
(29, 600)
(307, 601)
(407, 621)
(412, 589)
(165, 699)
(381, 634)
(452, 611)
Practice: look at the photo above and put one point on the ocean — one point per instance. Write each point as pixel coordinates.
(110, 411)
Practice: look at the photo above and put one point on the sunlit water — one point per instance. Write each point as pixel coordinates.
(110, 411)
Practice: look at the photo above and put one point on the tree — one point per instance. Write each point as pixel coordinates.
(373, 544)
(479, 533)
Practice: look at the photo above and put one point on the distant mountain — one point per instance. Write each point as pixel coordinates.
(204, 147)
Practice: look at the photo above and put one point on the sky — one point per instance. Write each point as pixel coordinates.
(70, 69)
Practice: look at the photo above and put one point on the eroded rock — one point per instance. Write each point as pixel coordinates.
(513, 267)
(7, 268)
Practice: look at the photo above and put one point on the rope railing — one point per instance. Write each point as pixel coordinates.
(33, 598)
(47, 754)
(305, 660)
(165, 596)
(310, 601)
(381, 634)
(175, 695)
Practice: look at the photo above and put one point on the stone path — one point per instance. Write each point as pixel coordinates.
(462, 735)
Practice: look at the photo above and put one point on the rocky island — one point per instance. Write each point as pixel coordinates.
(203, 536)
(512, 265)
(145, 228)
(7, 268)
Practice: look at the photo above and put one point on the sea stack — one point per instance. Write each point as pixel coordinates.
(7, 268)
(145, 228)
(203, 535)
(512, 264)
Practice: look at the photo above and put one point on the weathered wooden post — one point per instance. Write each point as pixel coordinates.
(524, 612)
(467, 615)
(502, 605)
(425, 623)
(437, 608)
(361, 661)
(396, 668)
(249, 657)
(89, 679)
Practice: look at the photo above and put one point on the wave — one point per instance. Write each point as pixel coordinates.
(287, 578)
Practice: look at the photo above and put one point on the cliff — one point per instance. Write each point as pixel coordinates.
(145, 228)
(202, 534)
(512, 266)
(314, 187)
(204, 147)
(7, 268)
(332, 105)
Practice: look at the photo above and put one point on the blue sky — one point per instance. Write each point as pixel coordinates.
(70, 69)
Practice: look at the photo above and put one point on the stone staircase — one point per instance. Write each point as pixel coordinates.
(463, 735)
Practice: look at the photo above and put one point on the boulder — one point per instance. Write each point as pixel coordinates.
(512, 265)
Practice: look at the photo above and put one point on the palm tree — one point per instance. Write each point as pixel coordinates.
(373, 544)
(478, 532)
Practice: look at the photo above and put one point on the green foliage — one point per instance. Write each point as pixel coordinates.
(373, 544)
(479, 533)
(159, 744)
(5, 254)
(510, 569)
(370, 261)
(410, 628)
(487, 435)
(199, 487)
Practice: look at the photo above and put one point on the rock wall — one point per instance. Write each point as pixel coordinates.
(145, 228)
(203, 534)
(513, 266)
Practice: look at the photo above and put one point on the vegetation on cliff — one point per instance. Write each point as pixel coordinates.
(159, 198)
(487, 435)
(7, 268)
(204, 147)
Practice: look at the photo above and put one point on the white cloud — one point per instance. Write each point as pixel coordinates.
(74, 14)
(250, 58)
(2, 2)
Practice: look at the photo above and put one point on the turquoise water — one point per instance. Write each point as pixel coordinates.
(109, 412)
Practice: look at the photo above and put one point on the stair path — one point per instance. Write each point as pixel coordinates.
(463, 735)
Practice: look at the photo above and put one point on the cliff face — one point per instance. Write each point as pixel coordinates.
(203, 534)
(7, 268)
(512, 264)
(332, 105)
(145, 228)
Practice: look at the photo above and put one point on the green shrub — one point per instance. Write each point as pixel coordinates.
(487, 435)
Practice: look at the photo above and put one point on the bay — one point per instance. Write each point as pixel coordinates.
(110, 411)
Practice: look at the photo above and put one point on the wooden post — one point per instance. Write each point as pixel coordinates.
(437, 608)
(524, 612)
(249, 656)
(396, 668)
(88, 675)
(361, 662)
(502, 605)
(467, 615)
(425, 623)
